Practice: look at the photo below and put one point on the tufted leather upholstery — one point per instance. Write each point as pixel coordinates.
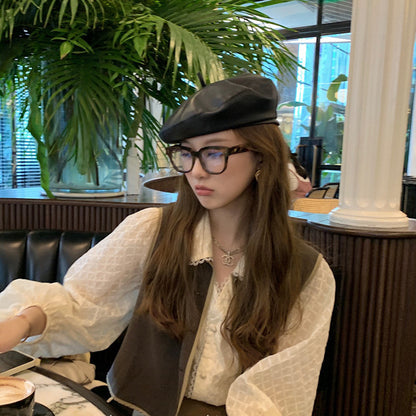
(41, 255)
(45, 256)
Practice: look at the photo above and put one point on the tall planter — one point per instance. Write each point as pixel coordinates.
(99, 174)
(105, 180)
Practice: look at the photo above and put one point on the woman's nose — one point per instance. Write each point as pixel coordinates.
(198, 170)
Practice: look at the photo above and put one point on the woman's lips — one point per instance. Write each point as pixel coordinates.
(203, 191)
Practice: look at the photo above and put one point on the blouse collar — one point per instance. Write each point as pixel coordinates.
(202, 244)
(202, 247)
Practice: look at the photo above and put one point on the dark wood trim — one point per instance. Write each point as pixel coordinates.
(316, 30)
(370, 361)
(29, 210)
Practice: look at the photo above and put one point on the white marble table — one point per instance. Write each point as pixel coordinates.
(61, 399)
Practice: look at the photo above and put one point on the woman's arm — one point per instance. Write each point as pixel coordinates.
(284, 384)
(94, 304)
(29, 322)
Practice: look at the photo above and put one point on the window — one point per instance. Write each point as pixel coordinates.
(295, 13)
(313, 99)
(6, 158)
(410, 154)
(18, 163)
(331, 101)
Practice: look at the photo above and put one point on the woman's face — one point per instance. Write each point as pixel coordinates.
(229, 187)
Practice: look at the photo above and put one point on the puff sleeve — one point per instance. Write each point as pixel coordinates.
(98, 296)
(284, 384)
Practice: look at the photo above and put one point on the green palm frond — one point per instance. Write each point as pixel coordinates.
(100, 61)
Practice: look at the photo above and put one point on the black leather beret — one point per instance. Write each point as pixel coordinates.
(244, 100)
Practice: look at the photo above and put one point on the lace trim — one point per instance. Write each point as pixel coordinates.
(195, 364)
(201, 344)
(220, 286)
(237, 275)
(200, 261)
(191, 382)
(238, 272)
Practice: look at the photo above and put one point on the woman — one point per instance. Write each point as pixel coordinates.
(232, 311)
(299, 181)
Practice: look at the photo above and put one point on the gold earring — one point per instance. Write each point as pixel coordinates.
(257, 174)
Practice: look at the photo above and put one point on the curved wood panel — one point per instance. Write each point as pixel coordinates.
(20, 209)
(369, 367)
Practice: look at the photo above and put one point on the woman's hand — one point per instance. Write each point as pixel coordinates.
(12, 331)
(31, 321)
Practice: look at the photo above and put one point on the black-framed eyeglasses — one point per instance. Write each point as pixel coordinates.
(213, 159)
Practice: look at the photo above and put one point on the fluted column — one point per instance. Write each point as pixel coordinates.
(411, 164)
(382, 39)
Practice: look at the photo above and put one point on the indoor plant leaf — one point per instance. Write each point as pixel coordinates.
(102, 60)
(334, 87)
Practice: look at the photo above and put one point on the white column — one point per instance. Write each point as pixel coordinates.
(382, 39)
(411, 163)
(133, 170)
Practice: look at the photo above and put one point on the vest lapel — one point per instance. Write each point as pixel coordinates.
(150, 371)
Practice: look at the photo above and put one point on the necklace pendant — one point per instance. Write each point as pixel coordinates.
(227, 259)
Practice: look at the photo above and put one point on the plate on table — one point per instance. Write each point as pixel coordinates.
(41, 410)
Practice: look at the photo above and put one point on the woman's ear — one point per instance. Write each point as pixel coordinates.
(259, 160)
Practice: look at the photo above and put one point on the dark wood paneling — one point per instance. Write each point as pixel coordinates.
(370, 363)
(28, 209)
(76, 217)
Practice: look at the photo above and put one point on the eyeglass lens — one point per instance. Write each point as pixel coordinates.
(212, 159)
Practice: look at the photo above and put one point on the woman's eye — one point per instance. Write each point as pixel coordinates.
(214, 154)
(185, 155)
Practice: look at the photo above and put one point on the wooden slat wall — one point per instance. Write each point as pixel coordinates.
(370, 364)
(64, 215)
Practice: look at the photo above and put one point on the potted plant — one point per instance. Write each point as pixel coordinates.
(90, 68)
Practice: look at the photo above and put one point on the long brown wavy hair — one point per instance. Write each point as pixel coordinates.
(262, 300)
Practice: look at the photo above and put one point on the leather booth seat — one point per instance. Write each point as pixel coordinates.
(45, 256)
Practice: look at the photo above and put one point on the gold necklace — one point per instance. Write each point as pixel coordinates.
(227, 257)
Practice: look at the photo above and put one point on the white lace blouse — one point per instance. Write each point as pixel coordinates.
(98, 296)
